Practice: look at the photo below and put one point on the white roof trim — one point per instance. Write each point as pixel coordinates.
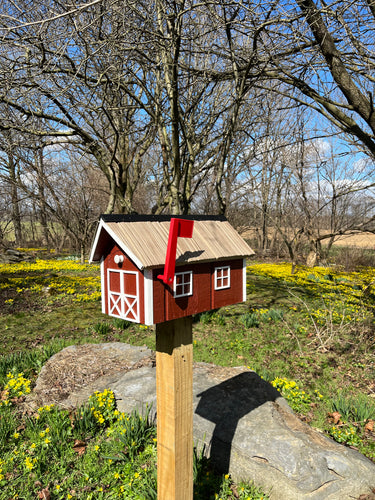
(93, 248)
(120, 243)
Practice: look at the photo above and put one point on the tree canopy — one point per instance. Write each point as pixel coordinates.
(176, 105)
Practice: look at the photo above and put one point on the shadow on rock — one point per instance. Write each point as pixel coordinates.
(225, 404)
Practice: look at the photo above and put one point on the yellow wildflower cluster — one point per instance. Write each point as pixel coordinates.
(46, 408)
(16, 387)
(296, 397)
(342, 294)
(32, 250)
(322, 278)
(346, 435)
(36, 278)
(30, 463)
(103, 406)
(50, 265)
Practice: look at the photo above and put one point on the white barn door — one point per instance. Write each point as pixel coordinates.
(123, 294)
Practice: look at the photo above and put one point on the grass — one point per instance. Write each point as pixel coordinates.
(310, 334)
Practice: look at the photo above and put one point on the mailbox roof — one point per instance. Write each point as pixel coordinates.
(144, 239)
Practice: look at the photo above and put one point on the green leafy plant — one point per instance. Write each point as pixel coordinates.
(102, 328)
(134, 431)
(206, 317)
(27, 361)
(250, 320)
(120, 323)
(274, 315)
(8, 426)
(84, 421)
(346, 434)
(356, 408)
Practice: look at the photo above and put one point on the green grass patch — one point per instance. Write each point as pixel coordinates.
(92, 452)
(311, 334)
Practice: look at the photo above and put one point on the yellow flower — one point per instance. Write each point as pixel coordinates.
(29, 463)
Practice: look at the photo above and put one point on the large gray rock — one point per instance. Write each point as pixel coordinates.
(247, 428)
(251, 432)
(70, 376)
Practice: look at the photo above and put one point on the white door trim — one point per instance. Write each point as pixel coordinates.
(126, 306)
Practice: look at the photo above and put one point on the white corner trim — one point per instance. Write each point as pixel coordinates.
(149, 297)
(102, 283)
(244, 280)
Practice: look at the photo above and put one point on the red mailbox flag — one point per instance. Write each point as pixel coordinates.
(179, 228)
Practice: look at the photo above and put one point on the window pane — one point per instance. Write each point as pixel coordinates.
(222, 277)
(183, 284)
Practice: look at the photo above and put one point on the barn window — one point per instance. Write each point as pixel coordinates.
(183, 284)
(222, 277)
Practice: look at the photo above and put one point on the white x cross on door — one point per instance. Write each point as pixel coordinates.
(123, 294)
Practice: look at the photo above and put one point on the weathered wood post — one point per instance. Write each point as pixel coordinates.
(174, 395)
(174, 388)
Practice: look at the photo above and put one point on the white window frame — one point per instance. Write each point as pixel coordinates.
(222, 277)
(185, 282)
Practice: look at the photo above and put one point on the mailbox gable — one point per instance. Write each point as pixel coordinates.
(210, 268)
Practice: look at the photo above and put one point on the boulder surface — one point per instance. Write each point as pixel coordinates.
(242, 421)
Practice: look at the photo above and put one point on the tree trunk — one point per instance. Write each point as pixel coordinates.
(16, 215)
(43, 219)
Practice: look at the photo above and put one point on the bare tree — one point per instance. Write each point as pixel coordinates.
(323, 55)
(71, 73)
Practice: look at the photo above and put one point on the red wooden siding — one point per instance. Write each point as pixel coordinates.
(204, 297)
(127, 278)
(234, 293)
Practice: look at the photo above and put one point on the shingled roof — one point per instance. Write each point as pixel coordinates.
(144, 239)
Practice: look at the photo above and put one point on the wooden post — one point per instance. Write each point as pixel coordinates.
(174, 403)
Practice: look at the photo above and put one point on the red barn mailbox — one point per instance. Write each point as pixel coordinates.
(159, 268)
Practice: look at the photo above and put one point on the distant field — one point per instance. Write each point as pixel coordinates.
(30, 231)
(360, 240)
